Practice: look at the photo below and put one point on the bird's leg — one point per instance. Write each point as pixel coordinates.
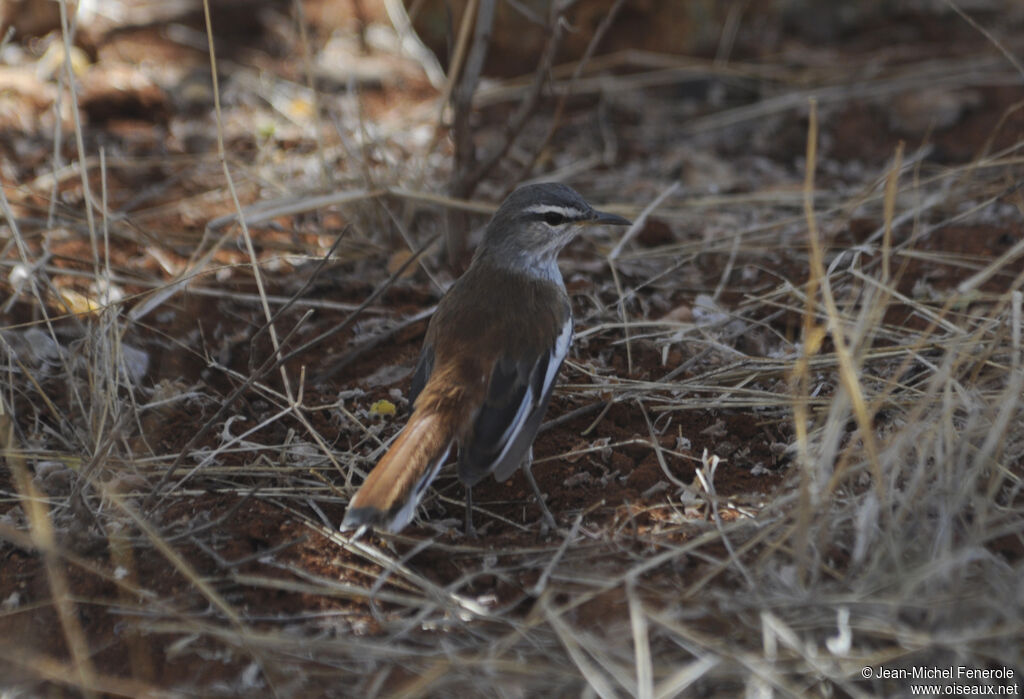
(470, 530)
(528, 471)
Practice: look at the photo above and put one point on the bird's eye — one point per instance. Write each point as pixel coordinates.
(553, 218)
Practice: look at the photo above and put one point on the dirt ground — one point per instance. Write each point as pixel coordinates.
(207, 561)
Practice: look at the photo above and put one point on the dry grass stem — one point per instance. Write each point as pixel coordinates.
(787, 444)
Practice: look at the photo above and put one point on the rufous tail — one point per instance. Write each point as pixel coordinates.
(388, 497)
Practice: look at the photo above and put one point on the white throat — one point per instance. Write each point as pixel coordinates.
(537, 266)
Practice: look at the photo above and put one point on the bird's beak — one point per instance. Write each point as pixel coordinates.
(603, 218)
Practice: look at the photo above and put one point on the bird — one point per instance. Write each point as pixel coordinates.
(487, 368)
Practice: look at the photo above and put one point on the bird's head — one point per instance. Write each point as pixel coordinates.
(536, 221)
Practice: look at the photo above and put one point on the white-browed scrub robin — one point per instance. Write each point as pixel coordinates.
(489, 360)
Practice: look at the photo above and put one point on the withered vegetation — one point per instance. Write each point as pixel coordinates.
(788, 444)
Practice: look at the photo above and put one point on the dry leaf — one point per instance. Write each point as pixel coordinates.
(75, 302)
(398, 259)
(383, 408)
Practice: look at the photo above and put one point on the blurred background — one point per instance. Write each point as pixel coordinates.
(788, 443)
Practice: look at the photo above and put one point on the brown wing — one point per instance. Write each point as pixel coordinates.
(517, 397)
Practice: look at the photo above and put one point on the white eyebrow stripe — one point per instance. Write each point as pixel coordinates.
(569, 212)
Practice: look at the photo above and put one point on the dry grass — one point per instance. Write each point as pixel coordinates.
(886, 546)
